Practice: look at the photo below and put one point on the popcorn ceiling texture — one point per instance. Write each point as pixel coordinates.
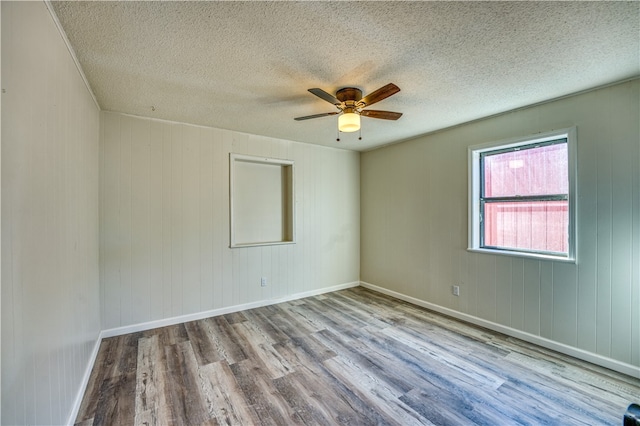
(246, 66)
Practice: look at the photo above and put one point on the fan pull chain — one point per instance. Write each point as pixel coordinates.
(360, 135)
(338, 135)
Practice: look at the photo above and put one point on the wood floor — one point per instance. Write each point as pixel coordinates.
(351, 357)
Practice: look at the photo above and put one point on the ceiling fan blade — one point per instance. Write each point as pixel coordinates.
(324, 95)
(385, 115)
(307, 117)
(380, 94)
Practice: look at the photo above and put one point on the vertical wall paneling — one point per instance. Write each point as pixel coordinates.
(50, 272)
(547, 306)
(503, 290)
(190, 218)
(517, 293)
(604, 224)
(222, 220)
(486, 299)
(565, 312)
(1, 115)
(125, 224)
(154, 162)
(165, 222)
(589, 305)
(634, 300)
(110, 134)
(626, 140)
(587, 244)
(470, 285)
(165, 190)
(205, 216)
(175, 215)
(140, 235)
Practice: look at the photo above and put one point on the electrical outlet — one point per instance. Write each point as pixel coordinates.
(263, 282)
(456, 290)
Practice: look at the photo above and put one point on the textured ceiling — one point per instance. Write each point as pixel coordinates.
(246, 66)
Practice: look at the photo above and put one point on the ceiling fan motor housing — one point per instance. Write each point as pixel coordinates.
(349, 94)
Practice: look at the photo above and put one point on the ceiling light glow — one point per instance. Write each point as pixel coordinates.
(349, 122)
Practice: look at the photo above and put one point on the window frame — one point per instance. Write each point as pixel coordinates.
(477, 199)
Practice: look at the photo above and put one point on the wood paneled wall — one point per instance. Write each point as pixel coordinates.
(414, 227)
(164, 222)
(50, 286)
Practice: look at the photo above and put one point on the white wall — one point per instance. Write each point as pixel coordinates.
(414, 228)
(165, 221)
(50, 287)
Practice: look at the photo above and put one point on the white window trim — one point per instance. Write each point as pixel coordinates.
(474, 192)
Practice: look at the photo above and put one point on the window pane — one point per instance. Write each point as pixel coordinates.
(534, 171)
(537, 225)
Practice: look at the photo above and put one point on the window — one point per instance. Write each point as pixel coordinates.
(522, 195)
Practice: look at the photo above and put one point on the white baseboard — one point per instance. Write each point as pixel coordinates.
(85, 381)
(612, 364)
(220, 311)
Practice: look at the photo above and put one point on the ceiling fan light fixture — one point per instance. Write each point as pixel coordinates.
(349, 122)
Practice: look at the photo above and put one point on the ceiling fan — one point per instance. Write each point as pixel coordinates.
(351, 105)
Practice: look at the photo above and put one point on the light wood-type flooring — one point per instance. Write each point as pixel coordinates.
(351, 357)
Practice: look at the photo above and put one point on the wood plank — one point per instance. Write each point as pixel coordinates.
(311, 408)
(127, 354)
(289, 322)
(376, 393)
(262, 352)
(373, 356)
(263, 397)
(116, 404)
(187, 406)
(224, 398)
(202, 344)
(87, 422)
(100, 372)
(303, 315)
(449, 413)
(262, 319)
(152, 404)
(235, 317)
(484, 378)
(322, 386)
(170, 335)
(226, 340)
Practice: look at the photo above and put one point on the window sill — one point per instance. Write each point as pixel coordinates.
(535, 256)
(269, 243)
